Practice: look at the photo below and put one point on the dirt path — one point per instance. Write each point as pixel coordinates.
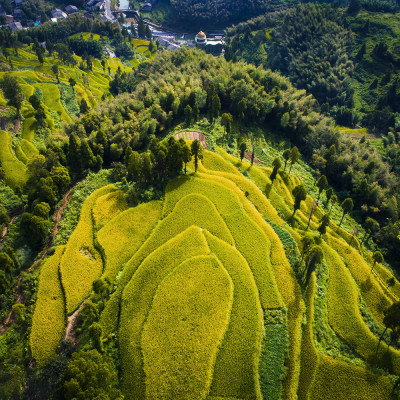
(193, 135)
(5, 230)
(70, 333)
(18, 290)
(17, 126)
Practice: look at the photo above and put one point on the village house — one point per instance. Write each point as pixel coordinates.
(71, 9)
(17, 13)
(57, 13)
(146, 7)
(95, 5)
(15, 26)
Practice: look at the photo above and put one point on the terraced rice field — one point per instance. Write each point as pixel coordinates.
(40, 79)
(208, 301)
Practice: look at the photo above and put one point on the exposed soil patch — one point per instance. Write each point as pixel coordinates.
(357, 136)
(247, 156)
(86, 253)
(193, 135)
(70, 332)
(5, 230)
(17, 126)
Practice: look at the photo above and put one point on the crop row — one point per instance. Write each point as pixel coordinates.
(245, 232)
(372, 293)
(14, 169)
(191, 209)
(107, 207)
(189, 316)
(121, 237)
(81, 263)
(236, 366)
(214, 162)
(137, 298)
(345, 317)
(48, 322)
(309, 353)
(338, 380)
(253, 193)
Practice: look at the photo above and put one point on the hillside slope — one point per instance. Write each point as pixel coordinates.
(214, 291)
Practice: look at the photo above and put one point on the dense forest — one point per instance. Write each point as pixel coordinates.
(213, 13)
(353, 167)
(345, 57)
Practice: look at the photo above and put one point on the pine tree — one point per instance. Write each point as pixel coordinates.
(73, 156)
(141, 28)
(148, 32)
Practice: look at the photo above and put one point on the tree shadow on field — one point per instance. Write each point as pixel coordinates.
(366, 286)
(292, 221)
(268, 189)
(382, 358)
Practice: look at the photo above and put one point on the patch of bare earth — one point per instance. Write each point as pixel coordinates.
(247, 156)
(17, 126)
(193, 135)
(70, 331)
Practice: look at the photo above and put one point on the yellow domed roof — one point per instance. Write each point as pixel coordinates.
(201, 34)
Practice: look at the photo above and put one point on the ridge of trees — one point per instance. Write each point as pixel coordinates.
(328, 52)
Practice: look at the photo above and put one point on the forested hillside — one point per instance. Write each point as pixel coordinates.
(346, 58)
(212, 13)
(176, 225)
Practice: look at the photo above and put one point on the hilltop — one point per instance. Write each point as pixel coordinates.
(254, 272)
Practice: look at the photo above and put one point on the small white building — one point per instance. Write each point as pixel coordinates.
(200, 39)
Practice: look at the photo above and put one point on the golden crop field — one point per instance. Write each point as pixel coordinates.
(48, 321)
(200, 278)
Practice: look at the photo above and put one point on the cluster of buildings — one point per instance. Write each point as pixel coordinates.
(14, 20)
(213, 44)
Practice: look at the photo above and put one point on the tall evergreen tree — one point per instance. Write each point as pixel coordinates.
(141, 28)
(196, 151)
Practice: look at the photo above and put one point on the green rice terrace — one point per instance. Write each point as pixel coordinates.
(61, 100)
(217, 290)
